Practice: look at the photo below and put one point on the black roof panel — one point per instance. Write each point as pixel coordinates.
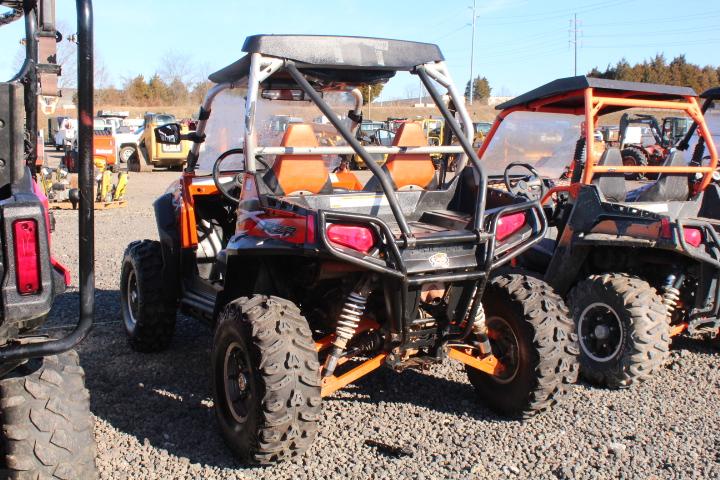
(333, 53)
(712, 93)
(638, 90)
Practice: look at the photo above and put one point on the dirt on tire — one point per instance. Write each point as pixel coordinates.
(645, 344)
(284, 379)
(150, 327)
(547, 366)
(47, 429)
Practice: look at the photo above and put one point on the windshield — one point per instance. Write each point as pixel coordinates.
(544, 140)
(370, 126)
(164, 119)
(483, 127)
(225, 128)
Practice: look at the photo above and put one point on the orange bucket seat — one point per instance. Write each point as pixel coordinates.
(295, 174)
(408, 171)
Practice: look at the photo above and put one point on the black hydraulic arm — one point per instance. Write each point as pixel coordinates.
(86, 214)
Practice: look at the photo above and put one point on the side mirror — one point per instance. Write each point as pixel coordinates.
(168, 134)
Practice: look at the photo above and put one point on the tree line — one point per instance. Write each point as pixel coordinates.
(481, 89)
(677, 72)
(155, 91)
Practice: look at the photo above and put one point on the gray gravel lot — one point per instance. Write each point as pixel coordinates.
(154, 419)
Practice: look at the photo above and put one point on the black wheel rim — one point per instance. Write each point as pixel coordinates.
(237, 378)
(601, 332)
(629, 161)
(506, 348)
(131, 301)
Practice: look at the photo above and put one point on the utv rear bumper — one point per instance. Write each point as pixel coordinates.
(465, 255)
(22, 311)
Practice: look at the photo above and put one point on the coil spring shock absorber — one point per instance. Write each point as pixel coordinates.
(671, 292)
(347, 324)
(480, 330)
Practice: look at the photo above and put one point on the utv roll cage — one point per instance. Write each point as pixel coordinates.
(314, 64)
(593, 97)
(39, 69)
(709, 96)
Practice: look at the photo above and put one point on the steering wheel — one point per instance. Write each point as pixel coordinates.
(531, 186)
(237, 180)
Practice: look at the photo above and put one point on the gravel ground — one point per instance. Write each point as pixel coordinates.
(154, 419)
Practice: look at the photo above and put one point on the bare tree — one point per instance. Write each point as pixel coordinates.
(101, 72)
(66, 58)
(176, 66)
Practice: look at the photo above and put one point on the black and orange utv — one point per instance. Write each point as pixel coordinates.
(638, 261)
(313, 278)
(46, 430)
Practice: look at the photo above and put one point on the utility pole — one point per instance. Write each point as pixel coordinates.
(575, 42)
(369, 100)
(574, 38)
(472, 52)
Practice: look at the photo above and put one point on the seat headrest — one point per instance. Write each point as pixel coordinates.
(299, 135)
(669, 187)
(611, 157)
(411, 171)
(611, 185)
(410, 135)
(299, 173)
(676, 158)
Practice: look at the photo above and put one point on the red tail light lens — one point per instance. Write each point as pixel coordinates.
(361, 239)
(27, 256)
(509, 224)
(693, 236)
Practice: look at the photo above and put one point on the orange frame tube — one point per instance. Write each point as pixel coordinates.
(332, 383)
(593, 105)
(676, 330)
(489, 364)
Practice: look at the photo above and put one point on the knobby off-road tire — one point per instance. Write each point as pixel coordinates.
(137, 163)
(126, 153)
(266, 379)
(618, 358)
(47, 429)
(533, 335)
(633, 156)
(148, 313)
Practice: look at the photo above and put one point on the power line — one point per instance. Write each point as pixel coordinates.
(704, 41)
(663, 33)
(563, 12)
(520, 43)
(451, 33)
(532, 18)
(651, 21)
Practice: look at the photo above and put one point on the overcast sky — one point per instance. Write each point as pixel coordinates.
(519, 44)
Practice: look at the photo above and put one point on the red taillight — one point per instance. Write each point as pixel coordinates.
(693, 236)
(509, 224)
(27, 256)
(361, 239)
